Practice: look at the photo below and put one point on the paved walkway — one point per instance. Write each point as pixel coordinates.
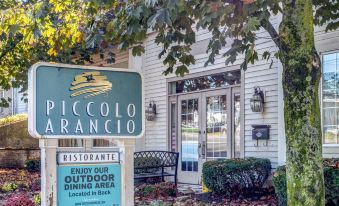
(189, 188)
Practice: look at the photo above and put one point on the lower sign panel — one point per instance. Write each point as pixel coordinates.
(96, 185)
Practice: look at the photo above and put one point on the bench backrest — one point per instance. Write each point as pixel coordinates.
(155, 159)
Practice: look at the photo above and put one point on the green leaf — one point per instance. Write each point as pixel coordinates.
(138, 50)
(266, 55)
(181, 70)
(252, 25)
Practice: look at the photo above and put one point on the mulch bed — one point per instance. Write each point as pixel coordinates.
(268, 200)
(29, 183)
(26, 182)
(262, 200)
(265, 198)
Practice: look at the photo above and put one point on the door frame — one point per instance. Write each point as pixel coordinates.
(195, 177)
(237, 90)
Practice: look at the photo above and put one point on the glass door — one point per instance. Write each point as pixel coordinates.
(189, 132)
(216, 139)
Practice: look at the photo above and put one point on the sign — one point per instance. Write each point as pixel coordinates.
(97, 185)
(88, 157)
(69, 101)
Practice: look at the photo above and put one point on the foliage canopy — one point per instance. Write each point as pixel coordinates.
(70, 31)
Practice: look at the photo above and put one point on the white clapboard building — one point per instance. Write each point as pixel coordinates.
(207, 115)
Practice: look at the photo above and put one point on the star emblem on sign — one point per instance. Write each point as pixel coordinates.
(89, 78)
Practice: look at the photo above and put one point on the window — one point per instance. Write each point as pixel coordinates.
(70, 143)
(104, 143)
(330, 98)
(206, 82)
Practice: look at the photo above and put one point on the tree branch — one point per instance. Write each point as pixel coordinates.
(272, 32)
(11, 47)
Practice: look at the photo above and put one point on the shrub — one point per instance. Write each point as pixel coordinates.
(19, 200)
(9, 187)
(234, 177)
(37, 199)
(32, 165)
(331, 177)
(280, 185)
(163, 189)
(12, 119)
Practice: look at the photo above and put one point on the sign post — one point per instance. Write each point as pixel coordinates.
(79, 102)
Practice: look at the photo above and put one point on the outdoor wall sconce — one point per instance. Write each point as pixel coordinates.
(257, 100)
(151, 111)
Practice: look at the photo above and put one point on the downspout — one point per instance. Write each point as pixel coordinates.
(12, 103)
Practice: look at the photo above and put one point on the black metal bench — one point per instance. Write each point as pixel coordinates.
(151, 164)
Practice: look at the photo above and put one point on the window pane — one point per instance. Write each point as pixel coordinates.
(330, 134)
(216, 114)
(330, 94)
(237, 125)
(173, 127)
(104, 143)
(330, 116)
(70, 143)
(189, 134)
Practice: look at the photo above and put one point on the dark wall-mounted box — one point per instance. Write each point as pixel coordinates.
(261, 132)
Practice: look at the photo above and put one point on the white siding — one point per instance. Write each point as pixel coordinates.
(6, 111)
(264, 75)
(155, 90)
(20, 105)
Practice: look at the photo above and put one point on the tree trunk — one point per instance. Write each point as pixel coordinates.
(301, 76)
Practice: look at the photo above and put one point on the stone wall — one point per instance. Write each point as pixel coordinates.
(15, 158)
(16, 145)
(16, 136)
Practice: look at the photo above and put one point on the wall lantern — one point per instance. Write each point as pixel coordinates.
(257, 100)
(151, 111)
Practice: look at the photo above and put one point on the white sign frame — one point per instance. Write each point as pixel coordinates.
(32, 102)
(60, 160)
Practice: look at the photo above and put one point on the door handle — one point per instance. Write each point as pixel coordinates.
(203, 149)
(199, 149)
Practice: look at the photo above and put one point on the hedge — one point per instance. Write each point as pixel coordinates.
(331, 176)
(234, 177)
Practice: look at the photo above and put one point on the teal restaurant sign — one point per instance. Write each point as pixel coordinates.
(69, 101)
(97, 185)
